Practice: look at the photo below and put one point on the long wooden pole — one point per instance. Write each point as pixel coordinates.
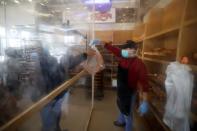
(13, 123)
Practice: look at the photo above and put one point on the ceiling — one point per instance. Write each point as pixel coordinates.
(77, 5)
(74, 3)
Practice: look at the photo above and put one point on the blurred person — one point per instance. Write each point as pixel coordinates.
(132, 75)
(8, 105)
(54, 74)
(12, 72)
(179, 86)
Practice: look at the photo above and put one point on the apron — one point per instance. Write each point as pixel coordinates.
(124, 93)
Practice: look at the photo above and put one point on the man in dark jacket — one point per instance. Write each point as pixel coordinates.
(12, 71)
(55, 74)
(131, 76)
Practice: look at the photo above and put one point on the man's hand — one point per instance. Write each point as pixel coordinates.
(143, 109)
(144, 106)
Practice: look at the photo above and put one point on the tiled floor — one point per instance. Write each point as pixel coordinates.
(75, 113)
(105, 113)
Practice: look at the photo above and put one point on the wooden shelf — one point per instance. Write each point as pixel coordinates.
(139, 40)
(158, 117)
(138, 32)
(190, 22)
(164, 32)
(157, 61)
(154, 54)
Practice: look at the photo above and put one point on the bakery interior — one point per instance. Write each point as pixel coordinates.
(164, 31)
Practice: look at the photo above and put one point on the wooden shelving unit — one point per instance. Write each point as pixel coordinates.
(162, 33)
(190, 22)
(157, 61)
(154, 53)
(169, 34)
(191, 11)
(138, 32)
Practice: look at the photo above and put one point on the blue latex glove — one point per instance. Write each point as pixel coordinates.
(143, 109)
(95, 42)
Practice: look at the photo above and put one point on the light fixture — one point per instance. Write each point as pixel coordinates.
(16, 1)
(42, 4)
(30, 0)
(3, 2)
(27, 26)
(97, 1)
(68, 8)
(100, 5)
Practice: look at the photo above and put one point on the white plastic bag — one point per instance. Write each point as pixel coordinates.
(179, 87)
(94, 62)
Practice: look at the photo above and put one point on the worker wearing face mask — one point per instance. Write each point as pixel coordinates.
(132, 75)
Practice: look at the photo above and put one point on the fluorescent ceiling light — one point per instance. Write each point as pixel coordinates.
(16, 1)
(42, 4)
(30, 0)
(97, 1)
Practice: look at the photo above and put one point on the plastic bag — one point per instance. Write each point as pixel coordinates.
(95, 62)
(179, 87)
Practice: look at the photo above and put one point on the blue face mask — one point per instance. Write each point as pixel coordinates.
(125, 53)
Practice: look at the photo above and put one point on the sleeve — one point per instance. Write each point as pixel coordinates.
(116, 51)
(143, 78)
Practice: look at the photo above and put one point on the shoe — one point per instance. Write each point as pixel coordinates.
(116, 123)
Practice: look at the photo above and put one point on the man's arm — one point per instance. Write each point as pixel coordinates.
(116, 51)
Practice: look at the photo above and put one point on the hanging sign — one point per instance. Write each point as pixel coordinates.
(104, 17)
